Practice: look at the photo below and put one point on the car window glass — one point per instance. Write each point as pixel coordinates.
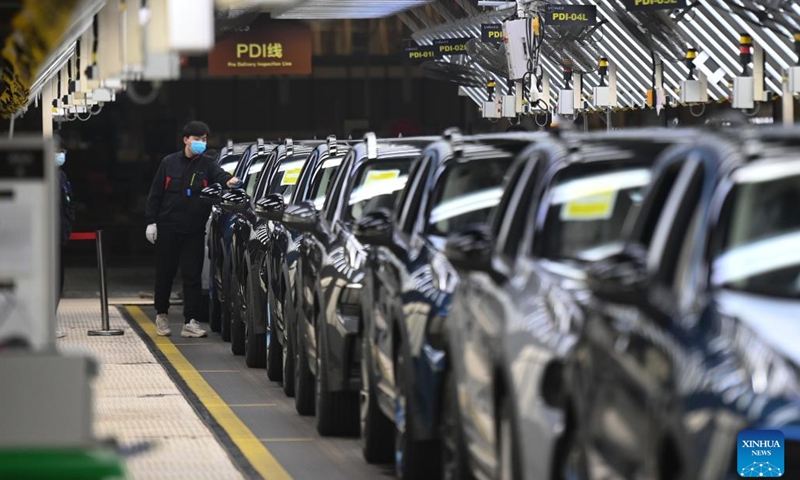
(284, 181)
(253, 174)
(761, 232)
(465, 195)
(323, 181)
(330, 206)
(377, 185)
(229, 163)
(587, 210)
(408, 205)
(500, 217)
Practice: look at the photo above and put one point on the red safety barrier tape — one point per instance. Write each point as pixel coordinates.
(83, 236)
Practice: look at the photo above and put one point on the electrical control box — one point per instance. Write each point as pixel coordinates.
(694, 91)
(28, 201)
(509, 106)
(794, 79)
(515, 35)
(743, 93)
(602, 96)
(493, 109)
(566, 102)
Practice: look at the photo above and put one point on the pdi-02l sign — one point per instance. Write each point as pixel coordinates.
(571, 15)
(445, 47)
(646, 5)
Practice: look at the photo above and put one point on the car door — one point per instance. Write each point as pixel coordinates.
(632, 343)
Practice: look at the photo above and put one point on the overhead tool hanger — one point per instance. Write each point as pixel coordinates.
(748, 88)
(332, 145)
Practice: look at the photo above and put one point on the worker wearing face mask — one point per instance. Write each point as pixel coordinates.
(176, 220)
(67, 214)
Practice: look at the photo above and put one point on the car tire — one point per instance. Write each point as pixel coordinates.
(507, 458)
(377, 443)
(255, 344)
(274, 350)
(214, 311)
(226, 305)
(288, 360)
(337, 412)
(454, 453)
(414, 460)
(237, 328)
(574, 465)
(303, 379)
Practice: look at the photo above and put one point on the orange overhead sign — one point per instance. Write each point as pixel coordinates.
(272, 47)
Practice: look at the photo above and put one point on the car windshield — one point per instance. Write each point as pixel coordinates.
(286, 177)
(377, 186)
(323, 181)
(466, 195)
(761, 236)
(251, 180)
(229, 163)
(587, 211)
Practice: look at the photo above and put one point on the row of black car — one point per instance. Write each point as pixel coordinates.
(523, 306)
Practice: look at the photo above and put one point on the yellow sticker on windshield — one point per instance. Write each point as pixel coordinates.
(291, 176)
(593, 207)
(378, 176)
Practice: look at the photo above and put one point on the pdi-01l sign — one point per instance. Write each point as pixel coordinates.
(571, 15)
(646, 5)
(422, 52)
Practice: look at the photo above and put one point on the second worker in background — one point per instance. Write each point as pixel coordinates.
(176, 219)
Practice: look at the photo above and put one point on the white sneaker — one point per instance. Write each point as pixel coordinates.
(61, 334)
(162, 325)
(192, 330)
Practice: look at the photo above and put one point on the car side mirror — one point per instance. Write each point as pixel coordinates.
(471, 249)
(212, 194)
(270, 207)
(375, 228)
(302, 217)
(620, 278)
(235, 200)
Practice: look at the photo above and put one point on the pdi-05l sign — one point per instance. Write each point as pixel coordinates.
(646, 5)
(571, 15)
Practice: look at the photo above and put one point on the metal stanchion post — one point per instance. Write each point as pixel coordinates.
(101, 265)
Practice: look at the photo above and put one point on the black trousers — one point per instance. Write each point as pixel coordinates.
(186, 250)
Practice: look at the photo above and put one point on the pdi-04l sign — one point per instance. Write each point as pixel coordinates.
(646, 5)
(571, 15)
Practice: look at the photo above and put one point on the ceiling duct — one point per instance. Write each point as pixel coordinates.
(348, 9)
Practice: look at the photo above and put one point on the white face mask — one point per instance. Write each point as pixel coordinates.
(61, 158)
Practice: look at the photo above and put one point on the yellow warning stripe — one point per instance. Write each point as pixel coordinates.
(251, 447)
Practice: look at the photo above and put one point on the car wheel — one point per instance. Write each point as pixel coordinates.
(288, 360)
(237, 324)
(303, 380)
(376, 429)
(337, 412)
(575, 466)
(255, 344)
(413, 459)
(214, 311)
(454, 458)
(507, 464)
(274, 350)
(225, 327)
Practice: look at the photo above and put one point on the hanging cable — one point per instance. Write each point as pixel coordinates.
(78, 59)
(603, 70)
(91, 69)
(691, 54)
(797, 47)
(69, 76)
(745, 53)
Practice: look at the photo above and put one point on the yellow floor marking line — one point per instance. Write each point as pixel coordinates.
(253, 405)
(251, 447)
(192, 344)
(218, 371)
(286, 439)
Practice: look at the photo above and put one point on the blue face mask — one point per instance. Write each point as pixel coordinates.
(197, 147)
(61, 158)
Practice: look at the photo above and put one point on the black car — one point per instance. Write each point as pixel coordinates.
(278, 249)
(330, 271)
(454, 184)
(278, 172)
(566, 201)
(219, 233)
(692, 333)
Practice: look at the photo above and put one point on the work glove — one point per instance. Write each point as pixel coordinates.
(151, 233)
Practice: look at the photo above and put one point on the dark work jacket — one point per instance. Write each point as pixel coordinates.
(174, 201)
(67, 207)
